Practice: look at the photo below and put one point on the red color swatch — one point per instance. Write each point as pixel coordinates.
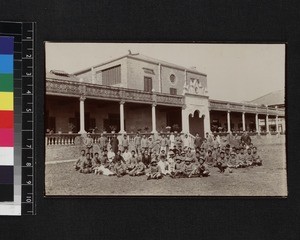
(6, 119)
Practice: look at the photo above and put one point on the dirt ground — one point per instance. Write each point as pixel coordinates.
(267, 180)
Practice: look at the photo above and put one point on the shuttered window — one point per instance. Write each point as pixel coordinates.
(147, 84)
(111, 76)
(173, 91)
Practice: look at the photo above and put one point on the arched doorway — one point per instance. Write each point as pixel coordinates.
(196, 124)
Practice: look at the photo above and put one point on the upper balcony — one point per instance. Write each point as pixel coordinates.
(218, 105)
(102, 92)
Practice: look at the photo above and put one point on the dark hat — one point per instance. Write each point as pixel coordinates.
(153, 161)
(222, 151)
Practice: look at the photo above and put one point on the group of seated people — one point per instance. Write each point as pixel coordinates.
(175, 162)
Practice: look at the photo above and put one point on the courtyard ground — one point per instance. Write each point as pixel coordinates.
(267, 180)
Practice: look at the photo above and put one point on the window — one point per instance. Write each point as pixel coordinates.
(111, 76)
(147, 84)
(172, 78)
(173, 91)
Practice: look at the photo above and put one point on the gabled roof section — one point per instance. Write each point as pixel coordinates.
(145, 58)
(61, 75)
(273, 98)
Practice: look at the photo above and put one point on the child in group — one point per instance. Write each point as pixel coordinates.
(126, 155)
(256, 158)
(150, 144)
(232, 162)
(215, 152)
(241, 158)
(132, 162)
(119, 157)
(139, 168)
(146, 158)
(178, 141)
(221, 162)
(210, 161)
(202, 152)
(110, 155)
(249, 157)
(164, 165)
(81, 159)
(202, 168)
(204, 145)
(96, 161)
(104, 166)
(86, 165)
(171, 161)
(155, 171)
(119, 168)
(189, 153)
(178, 167)
(189, 169)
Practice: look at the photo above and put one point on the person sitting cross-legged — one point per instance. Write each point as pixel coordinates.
(256, 157)
(154, 171)
(119, 168)
(139, 168)
(190, 170)
(86, 165)
(221, 162)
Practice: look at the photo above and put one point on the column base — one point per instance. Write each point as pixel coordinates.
(153, 131)
(122, 132)
(82, 132)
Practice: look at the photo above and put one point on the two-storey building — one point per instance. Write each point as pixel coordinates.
(138, 93)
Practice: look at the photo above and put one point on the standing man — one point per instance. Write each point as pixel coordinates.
(163, 143)
(125, 142)
(137, 142)
(197, 141)
(186, 141)
(114, 144)
(246, 138)
(102, 142)
(144, 143)
(88, 142)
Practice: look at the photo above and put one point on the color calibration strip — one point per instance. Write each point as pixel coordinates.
(6, 119)
(17, 160)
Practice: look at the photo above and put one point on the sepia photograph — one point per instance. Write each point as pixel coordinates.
(165, 119)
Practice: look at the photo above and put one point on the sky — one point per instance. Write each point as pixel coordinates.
(235, 72)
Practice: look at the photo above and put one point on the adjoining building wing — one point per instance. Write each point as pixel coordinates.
(273, 99)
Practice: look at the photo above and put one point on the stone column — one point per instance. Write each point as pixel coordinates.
(185, 120)
(122, 117)
(228, 122)
(206, 122)
(154, 118)
(267, 123)
(243, 120)
(81, 110)
(257, 123)
(159, 78)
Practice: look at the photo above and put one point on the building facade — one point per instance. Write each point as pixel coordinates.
(138, 93)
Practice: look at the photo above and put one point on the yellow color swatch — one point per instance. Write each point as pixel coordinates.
(6, 100)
